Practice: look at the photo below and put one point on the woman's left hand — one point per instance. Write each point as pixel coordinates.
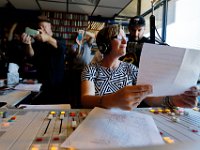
(188, 99)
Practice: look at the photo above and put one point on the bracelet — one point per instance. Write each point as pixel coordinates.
(171, 102)
(167, 102)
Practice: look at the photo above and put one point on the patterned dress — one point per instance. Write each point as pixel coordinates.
(108, 81)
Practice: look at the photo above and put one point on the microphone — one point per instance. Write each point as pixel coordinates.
(152, 29)
(152, 23)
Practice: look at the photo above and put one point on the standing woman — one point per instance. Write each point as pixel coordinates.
(79, 57)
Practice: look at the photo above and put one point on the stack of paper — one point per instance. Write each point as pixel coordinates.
(29, 87)
(49, 107)
(114, 129)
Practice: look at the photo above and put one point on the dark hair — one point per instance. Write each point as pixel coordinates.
(137, 21)
(43, 19)
(104, 37)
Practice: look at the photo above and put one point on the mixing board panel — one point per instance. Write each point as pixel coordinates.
(37, 129)
(46, 129)
(181, 126)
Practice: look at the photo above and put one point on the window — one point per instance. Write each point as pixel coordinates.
(183, 27)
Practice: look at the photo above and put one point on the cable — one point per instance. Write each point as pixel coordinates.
(159, 35)
(160, 40)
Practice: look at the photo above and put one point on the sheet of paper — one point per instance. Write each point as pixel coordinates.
(170, 70)
(29, 87)
(104, 128)
(58, 106)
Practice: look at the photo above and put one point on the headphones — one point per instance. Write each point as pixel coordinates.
(104, 48)
(102, 42)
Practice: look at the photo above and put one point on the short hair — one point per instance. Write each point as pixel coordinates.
(137, 21)
(105, 36)
(43, 19)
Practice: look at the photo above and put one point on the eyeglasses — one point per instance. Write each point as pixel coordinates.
(119, 37)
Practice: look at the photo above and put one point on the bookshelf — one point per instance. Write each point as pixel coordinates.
(66, 25)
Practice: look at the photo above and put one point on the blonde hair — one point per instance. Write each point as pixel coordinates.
(105, 36)
(112, 30)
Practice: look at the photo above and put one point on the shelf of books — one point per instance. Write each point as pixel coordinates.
(66, 25)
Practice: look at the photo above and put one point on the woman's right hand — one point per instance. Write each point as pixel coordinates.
(130, 97)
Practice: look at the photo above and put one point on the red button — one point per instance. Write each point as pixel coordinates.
(72, 114)
(56, 138)
(39, 139)
(13, 118)
(193, 130)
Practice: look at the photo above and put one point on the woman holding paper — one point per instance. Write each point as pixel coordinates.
(111, 82)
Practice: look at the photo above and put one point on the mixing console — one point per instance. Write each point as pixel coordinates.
(45, 129)
(181, 125)
(37, 129)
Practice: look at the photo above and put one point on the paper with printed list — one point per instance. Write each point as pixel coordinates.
(170, 70)
(29, 87)
(105, 128)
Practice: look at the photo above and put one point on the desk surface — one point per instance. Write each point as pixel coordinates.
(14, 97)
(33, 129)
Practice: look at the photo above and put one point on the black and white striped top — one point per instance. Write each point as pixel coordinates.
(108, 81)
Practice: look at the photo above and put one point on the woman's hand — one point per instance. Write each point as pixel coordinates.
(26, 39)
(188, 99)
(130, 97)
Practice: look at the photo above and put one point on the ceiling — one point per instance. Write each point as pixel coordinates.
(104, 8)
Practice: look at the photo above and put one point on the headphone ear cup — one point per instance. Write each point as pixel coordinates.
(103, 48)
